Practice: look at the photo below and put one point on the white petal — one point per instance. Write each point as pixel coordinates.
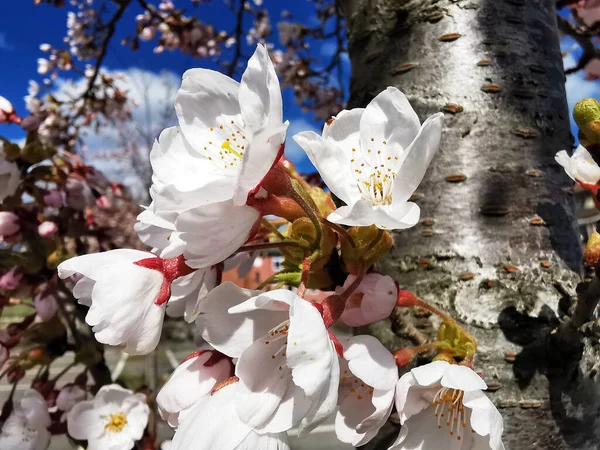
(221, 428)
(389, 117)
(370, 361)
(409, 399)
(485, 418)
(325, 403)
(564, 160)
(462, 378)
(123, 309)
(93, 264)
(359, 420)
(83, 422)
(421, 432)
(206, 99)
(418, 156)
(188, 384)
(361, 214)
(308, 348)
(398, 216)
(264, 380)
(213, 232)
(229, 333)
(260, 94)
(276, 300)
(172, 164)
(430, 373)
(259, 157)
(333, 164)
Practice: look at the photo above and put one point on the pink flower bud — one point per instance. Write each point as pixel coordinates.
(7, 112)
(45, 306)
(9, 224)
(103, 202)
(11, 279)
(147, 33)
(31, 122)
(54, 198)
(47, 229)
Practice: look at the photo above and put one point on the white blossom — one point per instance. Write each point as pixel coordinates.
(214, 425)
(441, 406)
(580, 167)
(369, 377)
(374, 159)
(27, 426)
(190, 383)
(288, 365)
(127, 291)
(114, 419)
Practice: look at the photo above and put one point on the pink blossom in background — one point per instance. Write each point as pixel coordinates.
(103, 202)
(11, 279)
(9, 224)
(54, 198)
(47, 229)
(45, 306)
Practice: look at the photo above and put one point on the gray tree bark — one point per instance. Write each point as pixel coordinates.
(497, 246)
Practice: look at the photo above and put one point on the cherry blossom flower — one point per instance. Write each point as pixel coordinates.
(69, 396)
(27, 426)
(193, 380)
(373, 300)
(374, 159)
(442, 405)
(235, 133)
(221, 427)
(45, 305)
(7, 112)
(580, 167)
(127, 291)
(9, 224)
(114, 419)
(47, 229)
(11, 279)
(10, 177)
(288, 365)
(368, 383)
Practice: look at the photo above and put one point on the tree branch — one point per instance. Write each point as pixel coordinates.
(583, 38)
(238, 36)
(110, 31)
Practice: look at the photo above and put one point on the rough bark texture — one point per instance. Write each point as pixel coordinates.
(477, 254)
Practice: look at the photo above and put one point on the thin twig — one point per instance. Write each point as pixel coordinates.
(110, 27)
(239, 28)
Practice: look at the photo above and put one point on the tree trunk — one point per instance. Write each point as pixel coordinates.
(497, 246)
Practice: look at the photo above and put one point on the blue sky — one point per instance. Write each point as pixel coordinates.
(20, 40)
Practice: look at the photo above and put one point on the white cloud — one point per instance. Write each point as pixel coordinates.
(154, 95)
(4, 45)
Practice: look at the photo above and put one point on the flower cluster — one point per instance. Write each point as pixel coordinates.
(222, 188)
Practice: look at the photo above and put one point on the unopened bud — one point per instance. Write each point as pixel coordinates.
(33, 357)
(591, 253)
(47, 229)
(587, 116)
(406, 299)
(404, 356)
(9, 224)
(370, 245)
